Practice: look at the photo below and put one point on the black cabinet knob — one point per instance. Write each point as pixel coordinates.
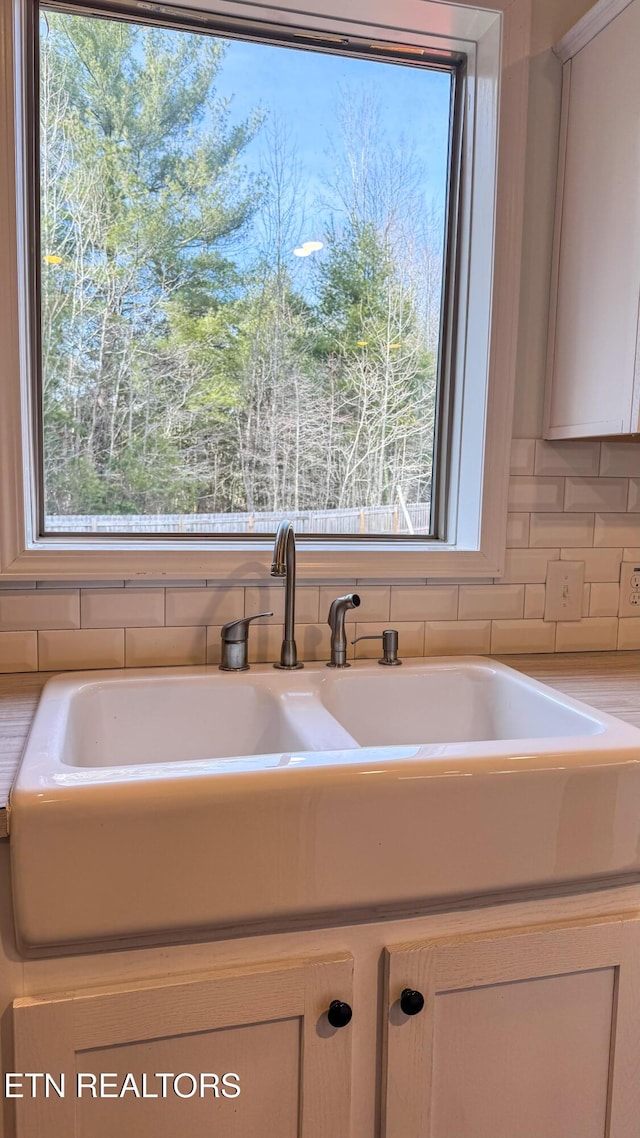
(339, 1013)
(411, 1002)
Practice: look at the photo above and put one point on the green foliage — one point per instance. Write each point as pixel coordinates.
(178, 378)
(142, 188)
(353, 283)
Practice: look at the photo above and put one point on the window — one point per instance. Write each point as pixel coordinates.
(254, 279)
(241, 280)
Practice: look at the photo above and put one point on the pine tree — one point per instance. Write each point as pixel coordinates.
(143, 192)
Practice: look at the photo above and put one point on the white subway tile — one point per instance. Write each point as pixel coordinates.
(527, 566)
(534, 599)
(186, 607)
(339, 586)
(53, 585)
(143, 583)
(80, 648)
(631, 553)
(570, 457)
(620, 459)
(486, 602)
(598, 494)
(227, 582)
(159, 647)
(213, 644)
(522, 636)
(523, 453)
(517, 531)
(18, 652)
(604, 599)
(628, 633)
(32, 610)
(314, 641)
(271, 599)
(431, 602)
(634, 494)
(265, 642)
(595, 634)
(456, 581)
(364, 582)
(410, 639)
(599, 564)
(617, 529)
(121, 608)
(457, 638)
(374, 603)
(536, 494)
(561, 529)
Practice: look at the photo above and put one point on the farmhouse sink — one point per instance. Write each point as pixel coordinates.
(151, 803)
(143, 719)
(461, 703)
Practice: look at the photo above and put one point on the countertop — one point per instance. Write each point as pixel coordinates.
(609, 681)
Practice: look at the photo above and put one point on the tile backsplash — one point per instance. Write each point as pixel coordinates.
(573, 501)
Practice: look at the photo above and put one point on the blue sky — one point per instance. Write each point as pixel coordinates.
(302, 89)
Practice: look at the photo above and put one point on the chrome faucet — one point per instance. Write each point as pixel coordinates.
(234, 643)
(337, 613)
(284, 565)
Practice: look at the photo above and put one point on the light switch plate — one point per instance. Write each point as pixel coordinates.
(629, 589)
(564, 592)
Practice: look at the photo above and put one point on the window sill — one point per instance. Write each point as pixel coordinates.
(57, 560)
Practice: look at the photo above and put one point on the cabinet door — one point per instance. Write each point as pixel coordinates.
(526, 1034)
(593, 385)
(267, 1026)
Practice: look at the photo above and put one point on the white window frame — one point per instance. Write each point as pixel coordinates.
(496, 43)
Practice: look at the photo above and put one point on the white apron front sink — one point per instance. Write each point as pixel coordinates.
(159, 718)
(152, 803)
(456, 704)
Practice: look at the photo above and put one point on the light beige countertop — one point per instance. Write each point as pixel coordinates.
(610, 681)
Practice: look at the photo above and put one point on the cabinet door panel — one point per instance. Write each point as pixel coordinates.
(533, 1057)
(265, 1056)
(267, 1026)
(532, 1033)
(593, 386)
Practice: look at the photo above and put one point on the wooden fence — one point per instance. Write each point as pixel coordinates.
(405, 519)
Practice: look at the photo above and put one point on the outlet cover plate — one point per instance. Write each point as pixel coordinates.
(565, 589)
(629, 589)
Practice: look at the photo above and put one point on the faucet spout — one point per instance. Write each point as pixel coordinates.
(337, 612)
(284, 565)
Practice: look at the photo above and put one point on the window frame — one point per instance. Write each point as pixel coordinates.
(482, 332)
(441, 521)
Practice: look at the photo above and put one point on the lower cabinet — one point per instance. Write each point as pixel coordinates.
(242, 1054)
(477, 1032)
(531, 1033)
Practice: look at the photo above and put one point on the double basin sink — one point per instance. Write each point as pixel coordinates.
(157, 802)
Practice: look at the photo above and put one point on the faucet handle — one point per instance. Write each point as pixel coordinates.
(235, 639)
(389, 646)
(237, 630)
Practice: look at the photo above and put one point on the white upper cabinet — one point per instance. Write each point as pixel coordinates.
(593, 372)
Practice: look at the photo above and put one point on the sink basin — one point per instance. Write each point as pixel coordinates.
(147, 719)
(461, 704)
(155, 802)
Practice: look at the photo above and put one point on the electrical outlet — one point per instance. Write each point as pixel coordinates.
(564, 592)
(629, 589)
